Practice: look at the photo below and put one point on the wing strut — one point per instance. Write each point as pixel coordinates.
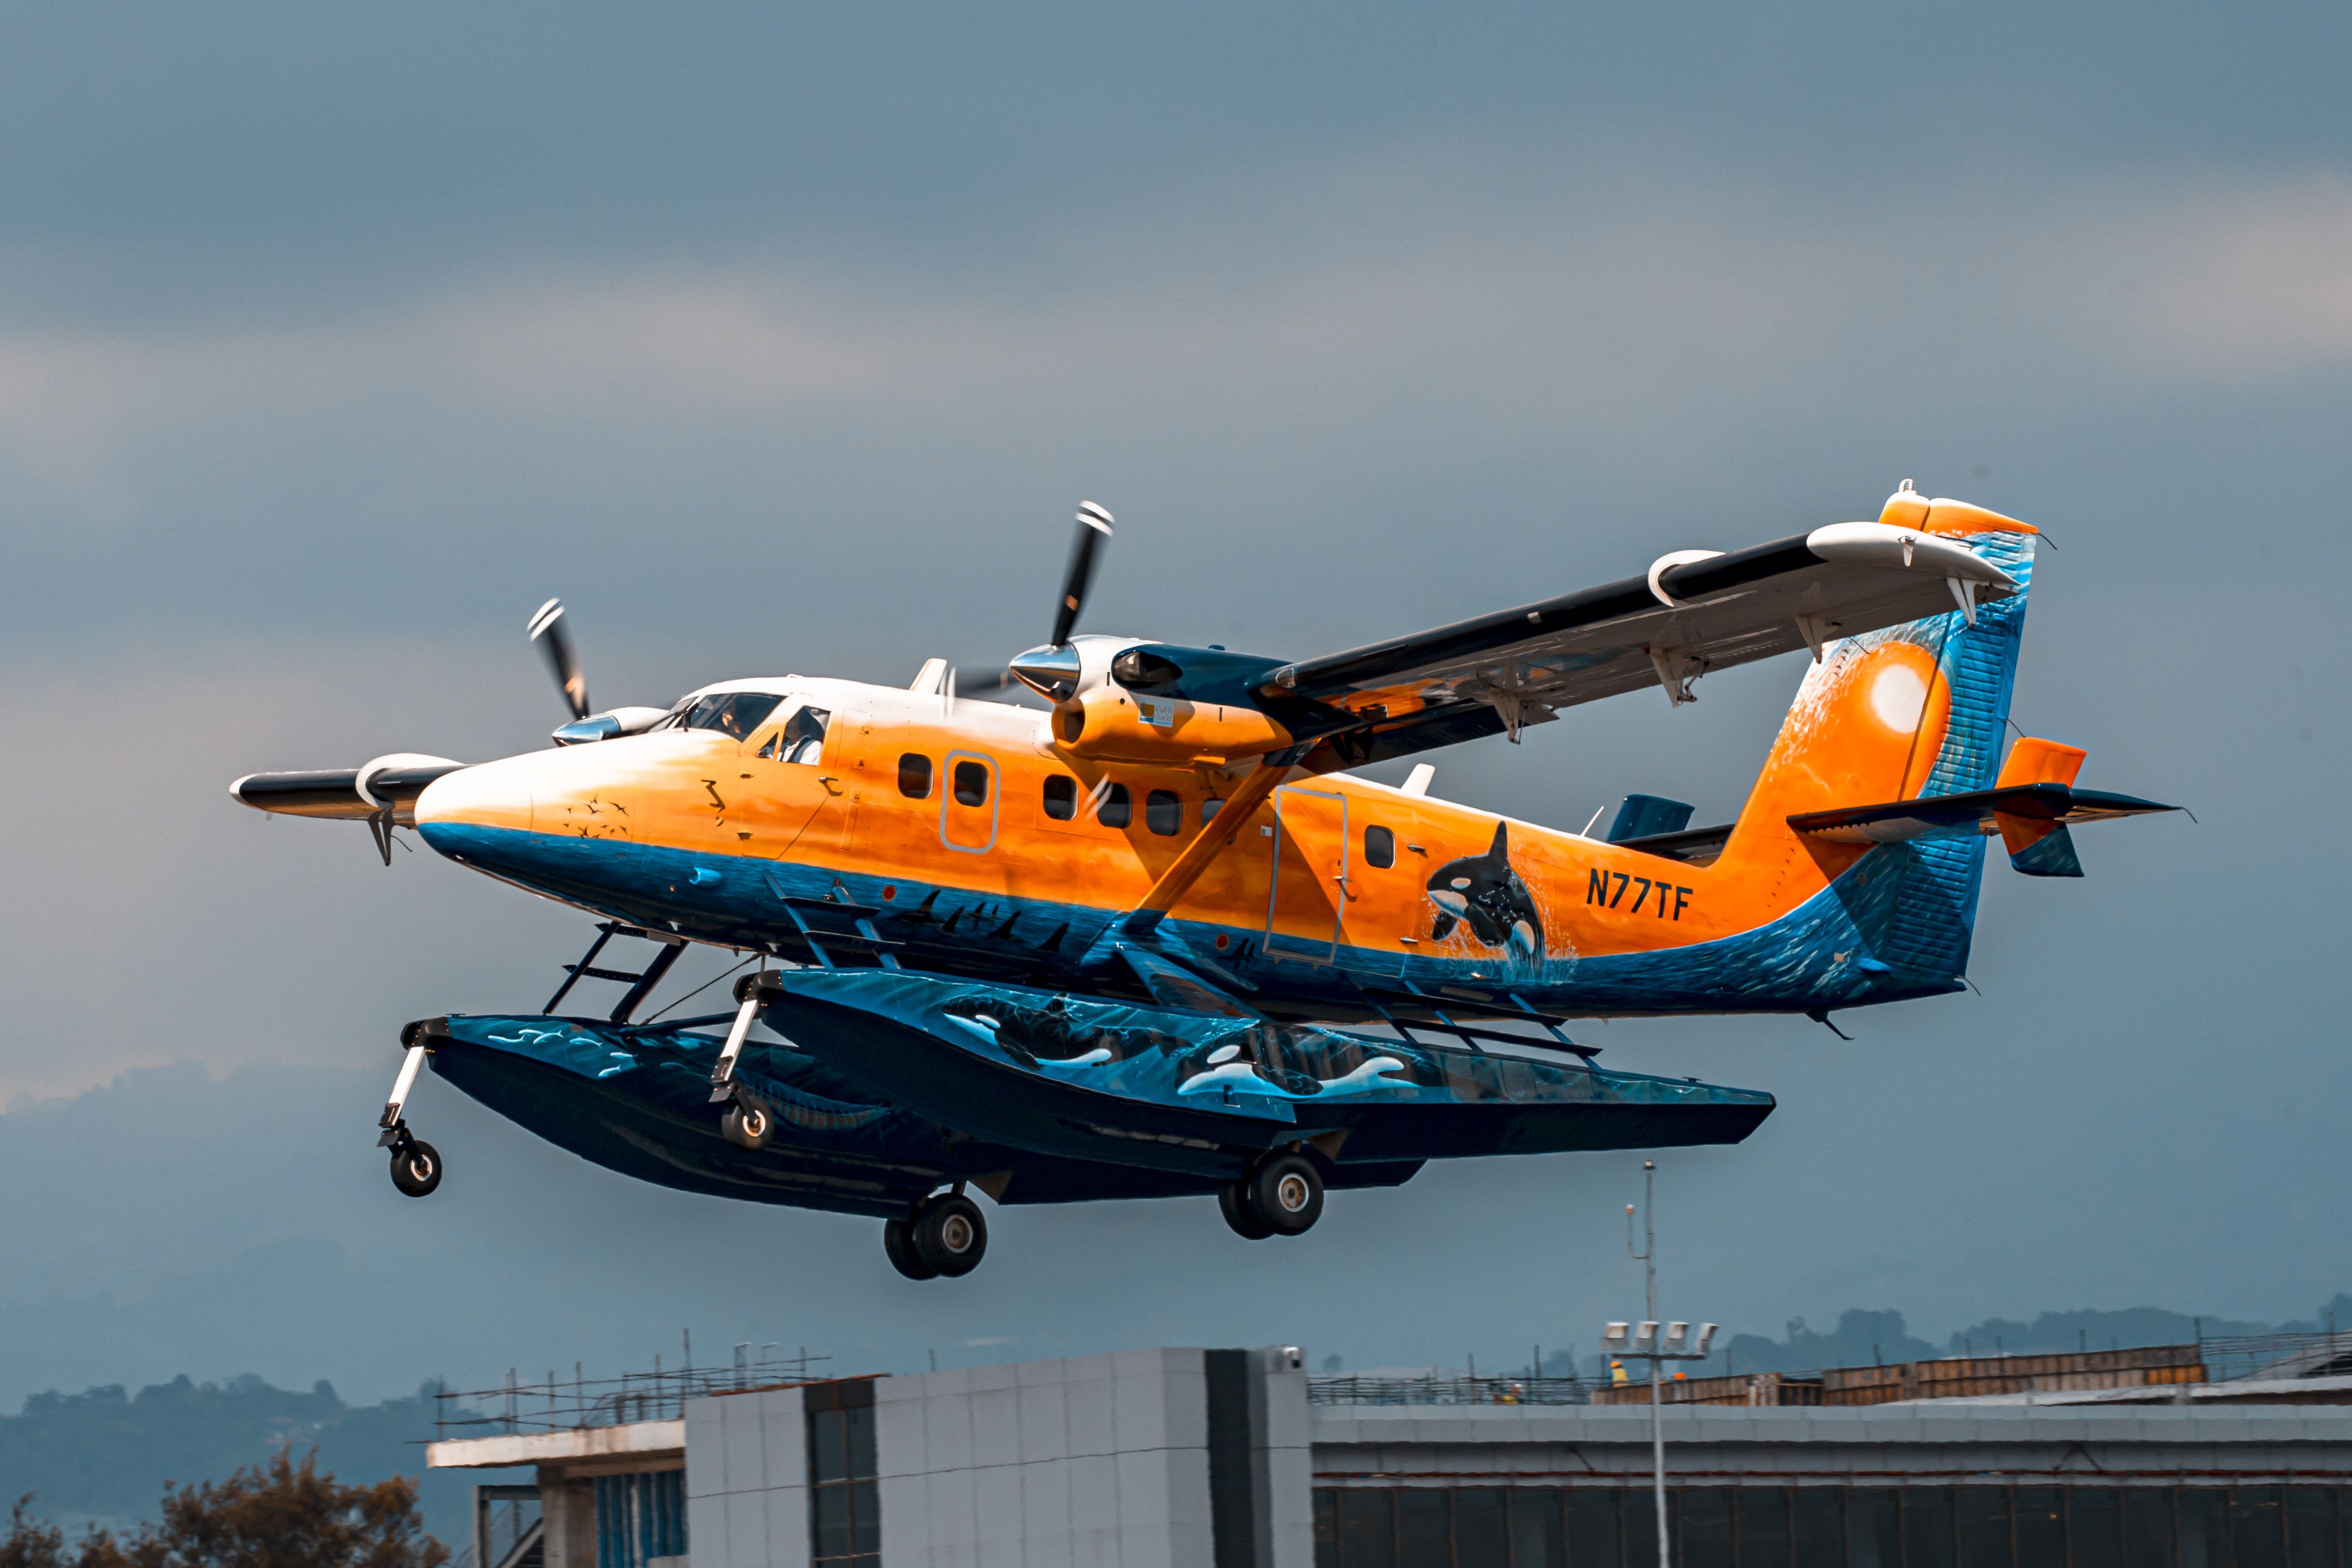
(1215, 835)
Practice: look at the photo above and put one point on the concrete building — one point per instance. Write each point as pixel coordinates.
(1208, 1458)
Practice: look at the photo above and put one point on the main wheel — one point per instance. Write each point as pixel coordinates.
(1287, 1191)
(417, 1167)
(1233, 1202)
(899, 1242)
(951, 1235)
(746, 1125)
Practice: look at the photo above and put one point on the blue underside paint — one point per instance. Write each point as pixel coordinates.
(1856, 943)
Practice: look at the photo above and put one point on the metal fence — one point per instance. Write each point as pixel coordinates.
(2232, 1358)
(562, 1404)
(1436, 1389)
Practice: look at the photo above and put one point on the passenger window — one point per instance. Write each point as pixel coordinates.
(1380, 847)
(1208, 809)
(915, 776)
(1163, 813)
(803, 737)
(972, 784)
(1118, 808)
(1061, 797)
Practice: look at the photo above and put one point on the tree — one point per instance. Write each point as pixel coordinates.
(273, 1515)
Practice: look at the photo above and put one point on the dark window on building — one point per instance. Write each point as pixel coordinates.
(2147, 1526)
(2202, 1535)
(2039, 1521)
(1061, 797)
(1927, 1527)
(2311, 1527)
(2257, 1531)
(972, 784)
(1423, 1532)
(1983, 1514)
(915, 776)
(1706, 1527)
(1871, 1539)
(1593, 1524)
(1535, 1539)
(1163, 813)
(1380, 847)
(1817, 1533)
(1763, 1528)
(844, 1503)
(1366, 1528)
(2094, 1534)
(1118, 808)
(639, 1517)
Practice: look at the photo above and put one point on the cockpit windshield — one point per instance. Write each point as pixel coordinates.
(736, 713)
(802, 740)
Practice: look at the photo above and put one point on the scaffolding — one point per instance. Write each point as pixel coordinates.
(566, 1404)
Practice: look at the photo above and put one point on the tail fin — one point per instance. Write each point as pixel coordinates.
(1916, 709)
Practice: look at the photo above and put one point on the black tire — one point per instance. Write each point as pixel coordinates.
(1233, 1202)
(950, 1235)
(899, 1242)
(746, 1126)
(1286, 1192)
(417, 1168)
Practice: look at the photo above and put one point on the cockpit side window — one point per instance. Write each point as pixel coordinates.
(736, 713)
(804, 736)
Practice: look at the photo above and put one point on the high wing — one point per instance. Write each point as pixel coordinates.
(1693, 611)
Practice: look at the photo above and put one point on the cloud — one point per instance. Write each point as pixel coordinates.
(1418, 294)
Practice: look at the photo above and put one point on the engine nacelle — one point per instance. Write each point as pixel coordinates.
(1111, 724)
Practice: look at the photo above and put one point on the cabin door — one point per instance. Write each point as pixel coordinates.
(968, 801)
(1307, 907)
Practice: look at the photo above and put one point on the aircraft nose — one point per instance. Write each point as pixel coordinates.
(487, 794)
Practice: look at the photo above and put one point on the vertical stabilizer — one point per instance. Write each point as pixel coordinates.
(1915, 709)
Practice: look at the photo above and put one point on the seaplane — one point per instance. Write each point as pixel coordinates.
(1127, 920)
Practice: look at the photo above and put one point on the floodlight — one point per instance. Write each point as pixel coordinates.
(1616, 1337)
(1645, 1338)
(1678, 1335)
(1705, 1337)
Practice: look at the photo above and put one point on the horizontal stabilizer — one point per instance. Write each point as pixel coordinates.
(2031, 806)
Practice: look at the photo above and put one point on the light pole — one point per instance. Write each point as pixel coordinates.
(1642, 1344)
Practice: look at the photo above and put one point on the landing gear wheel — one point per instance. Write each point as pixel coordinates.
(950, 1235)
(899, 1242)
(1233, 1202)
(746, 1126)
(415, 1167)
(1286, 1192)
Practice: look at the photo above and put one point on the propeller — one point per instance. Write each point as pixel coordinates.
(1094, 527)
(547, 631)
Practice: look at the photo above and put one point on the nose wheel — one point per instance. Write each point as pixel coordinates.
(1281, 1194)
(415, 1164)
(943, 1236)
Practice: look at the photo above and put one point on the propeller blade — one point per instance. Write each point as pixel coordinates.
(1094, 527)
(547, 631)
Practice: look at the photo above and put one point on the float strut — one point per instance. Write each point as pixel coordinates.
(390, 1121)
(752, 991)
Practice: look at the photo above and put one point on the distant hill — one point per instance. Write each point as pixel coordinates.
(101, 1457)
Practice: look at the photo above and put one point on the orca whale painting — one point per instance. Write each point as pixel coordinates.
(1482, 892)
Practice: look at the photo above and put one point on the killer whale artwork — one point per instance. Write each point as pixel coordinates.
(1482, 892)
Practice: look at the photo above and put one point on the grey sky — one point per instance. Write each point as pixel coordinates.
(332, 341)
